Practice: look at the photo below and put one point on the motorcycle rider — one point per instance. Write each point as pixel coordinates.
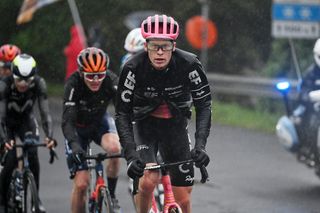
(306, 130)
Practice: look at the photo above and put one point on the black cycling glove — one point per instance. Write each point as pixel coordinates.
(200, 157)
(77, 153)
(135, 168)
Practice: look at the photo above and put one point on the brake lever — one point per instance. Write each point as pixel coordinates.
(53, 155)
(3, 157)
(204, 174)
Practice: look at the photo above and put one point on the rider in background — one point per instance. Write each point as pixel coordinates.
(19, 93)
(7, 53)
(301, 115)
(87, 94)
(134, 43)
(156, 91)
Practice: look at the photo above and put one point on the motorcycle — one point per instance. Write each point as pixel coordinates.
(307, 152)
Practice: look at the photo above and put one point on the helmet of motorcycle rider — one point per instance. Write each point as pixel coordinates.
(23, 67)
(287, 134)
(134, 41)
(160, 27)
(316, 52)
(92, 60)
(7, 53)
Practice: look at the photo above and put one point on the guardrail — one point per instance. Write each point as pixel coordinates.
(249, 86)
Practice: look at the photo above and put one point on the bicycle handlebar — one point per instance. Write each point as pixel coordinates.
(26, 146)
(102, 156)
(203, 169)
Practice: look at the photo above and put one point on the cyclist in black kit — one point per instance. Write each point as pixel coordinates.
(18, 94)
(156, 90)
(87, 94)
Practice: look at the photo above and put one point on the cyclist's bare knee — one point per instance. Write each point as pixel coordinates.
(81, 181)
(110, 143)
(148, 182)
(182, 196)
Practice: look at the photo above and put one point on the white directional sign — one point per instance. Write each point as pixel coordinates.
(296, 19)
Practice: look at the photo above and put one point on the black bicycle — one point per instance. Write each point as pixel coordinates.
(22, 194)
(99, 195)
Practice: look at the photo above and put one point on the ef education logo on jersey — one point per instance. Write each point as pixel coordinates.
(195, 77)
(129, 85)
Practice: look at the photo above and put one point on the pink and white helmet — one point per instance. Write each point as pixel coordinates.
(160, 26)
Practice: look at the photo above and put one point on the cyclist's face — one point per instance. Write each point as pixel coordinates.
(4, 71)
(94, 80)
(160, 52)
(21, 84)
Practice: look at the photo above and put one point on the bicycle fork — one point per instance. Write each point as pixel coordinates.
(169, 200)
(93, 200)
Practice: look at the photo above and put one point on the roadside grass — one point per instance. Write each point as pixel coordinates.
(236, 115)
(55, 90)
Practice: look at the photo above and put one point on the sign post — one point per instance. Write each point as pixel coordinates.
(296, 19)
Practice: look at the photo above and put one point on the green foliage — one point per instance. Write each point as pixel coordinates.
(243, 40)
(280, 62)
(236, 115)
(244, 37)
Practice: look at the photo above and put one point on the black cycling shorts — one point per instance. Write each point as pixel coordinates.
(86, 135)
(170, 137)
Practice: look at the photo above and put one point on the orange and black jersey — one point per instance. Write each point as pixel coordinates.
(84, 108)
(142, 89)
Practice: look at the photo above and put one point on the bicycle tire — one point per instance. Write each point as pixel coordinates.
(172, 208)
(159, 196)
(104, 201)
(175, 210)
(13, 205)
(31, 198)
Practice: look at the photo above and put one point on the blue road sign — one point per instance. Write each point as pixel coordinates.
(296, 12)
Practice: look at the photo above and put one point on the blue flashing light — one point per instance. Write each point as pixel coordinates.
(283, 86)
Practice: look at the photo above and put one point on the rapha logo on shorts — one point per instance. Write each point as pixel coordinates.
(141, 147)
(189, 179)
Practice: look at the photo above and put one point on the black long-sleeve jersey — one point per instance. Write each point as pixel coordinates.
(83, 107)
(15, 106)
(142, 89)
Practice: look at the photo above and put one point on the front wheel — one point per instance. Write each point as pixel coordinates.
(104, 201)
(31, 200)
(317, 165)
(14, 198)
(173, 208)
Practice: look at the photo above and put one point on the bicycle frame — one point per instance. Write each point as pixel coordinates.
(94, 202)
(169, 200)
(26, 173)
(99, 183)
